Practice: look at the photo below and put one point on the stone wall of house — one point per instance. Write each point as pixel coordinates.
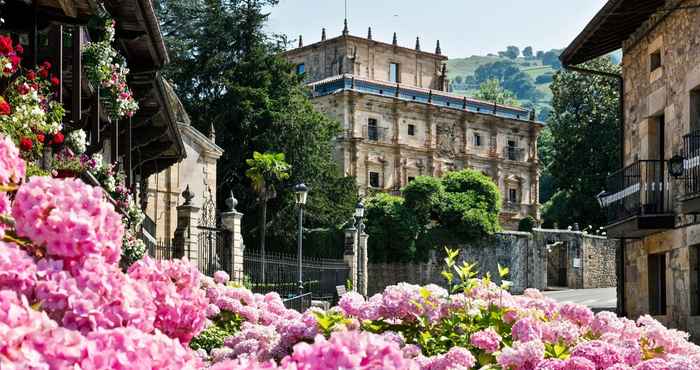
(590, 261)
(444, 139)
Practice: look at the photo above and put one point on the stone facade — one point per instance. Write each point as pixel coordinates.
(589, 263)
(390, 138)
(662, 79)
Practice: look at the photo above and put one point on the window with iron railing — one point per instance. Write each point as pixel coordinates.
(373, 132)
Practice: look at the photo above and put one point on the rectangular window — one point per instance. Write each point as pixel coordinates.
(412, 130)
(654, 61)
(477, 140)
(372, 129)
(301, 68)
(657, 284)
(394, 72)
(513, 195)
(512, 150)
(374, 179)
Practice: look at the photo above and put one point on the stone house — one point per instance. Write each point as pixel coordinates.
(400, 122)
(652, 201)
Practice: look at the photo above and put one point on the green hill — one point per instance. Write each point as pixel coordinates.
(464, 69)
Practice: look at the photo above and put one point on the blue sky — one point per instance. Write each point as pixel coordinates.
(464, 27)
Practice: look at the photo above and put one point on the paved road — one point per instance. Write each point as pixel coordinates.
(594, 298)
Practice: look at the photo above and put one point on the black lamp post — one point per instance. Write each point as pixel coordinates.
(359, 216)
(300, 194)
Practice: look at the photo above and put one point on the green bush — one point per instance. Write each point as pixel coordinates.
(527, 224)
(421, 195)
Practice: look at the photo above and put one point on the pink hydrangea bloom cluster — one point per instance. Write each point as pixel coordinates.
(486, 340)
(12, 167)
(71, 219)
(180, 304)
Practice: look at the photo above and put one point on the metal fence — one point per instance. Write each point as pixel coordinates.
(320, 275)
(639, 189)
(300, 303)
(158, 249)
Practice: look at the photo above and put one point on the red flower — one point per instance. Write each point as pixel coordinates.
(40, 137)
(58, 138)
(14, 59)
(46, 65)
(5, 44)
(44, 73)
(26, 144)
(23, 89)
(5, 108)
(31, 75)
(19, 49)
(55, 81)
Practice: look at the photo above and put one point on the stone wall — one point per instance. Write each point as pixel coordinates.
(590, 261)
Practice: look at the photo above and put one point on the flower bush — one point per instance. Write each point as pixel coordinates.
(106, 69)
(65, 304)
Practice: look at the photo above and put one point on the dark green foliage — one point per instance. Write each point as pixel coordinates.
(584, 144)
(461, 206)
(527, 224)
(459, 80)
(509, 76)
(512, 52)
(527, 52)
(551, 58)
(544, 79)
(228, 73)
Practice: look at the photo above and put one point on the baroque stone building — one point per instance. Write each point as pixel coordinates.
(653, 200)
(400, 122)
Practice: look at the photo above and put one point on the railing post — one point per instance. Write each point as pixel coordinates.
(231, 222)
(186, 234)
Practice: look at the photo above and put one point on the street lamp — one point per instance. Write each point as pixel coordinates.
(676, 166)
(359, 215)
(300, 194)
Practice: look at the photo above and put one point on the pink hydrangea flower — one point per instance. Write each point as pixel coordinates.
(17, 270)
(521, 356)
(12, 167)
(487, 340)
(602, 354)
(221, 277)
(527, 329)
(576, 313)
(70, 218)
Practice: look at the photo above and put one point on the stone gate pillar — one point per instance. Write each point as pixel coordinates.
(231, 221)
(362, 246)
(350, 253)
(186, 233)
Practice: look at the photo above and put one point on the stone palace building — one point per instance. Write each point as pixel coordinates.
(400, 122)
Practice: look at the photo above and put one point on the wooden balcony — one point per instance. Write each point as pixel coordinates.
(637, 200)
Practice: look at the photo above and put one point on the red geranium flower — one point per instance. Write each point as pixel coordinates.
(58, 138)
(5, 108)
(5, 44)
(19, 49)
(55, 81)
(23, 89)
(31, 75)
(26, 144)
(44, 73)
(46, 65)
(14, 59)
(40, 137)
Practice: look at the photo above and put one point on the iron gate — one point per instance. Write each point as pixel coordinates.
(213, 242)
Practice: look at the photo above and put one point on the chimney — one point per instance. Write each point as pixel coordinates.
(417, 43)
(395, 42)
(438, 51)
(323, 34)
(301, 43)
(369, 33)
(345, 28)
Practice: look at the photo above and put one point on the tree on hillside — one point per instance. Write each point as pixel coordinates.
(509, 76)
(527, 52)
(512, 52)
(551, 58)
(228, 72)
(584, 125)
(492, 91)
(459, 80)
(540, 54)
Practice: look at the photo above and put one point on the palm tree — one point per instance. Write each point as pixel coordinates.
(266, 170)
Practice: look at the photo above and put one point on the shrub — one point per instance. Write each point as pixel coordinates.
(527, 224)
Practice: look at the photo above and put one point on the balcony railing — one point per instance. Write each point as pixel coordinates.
(641, 189)
(375, 133)
(691, 163)
(512, 153)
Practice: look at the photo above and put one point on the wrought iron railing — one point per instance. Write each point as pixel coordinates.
(300, 303)
(691, 163)
(636, 190)
(375, 133)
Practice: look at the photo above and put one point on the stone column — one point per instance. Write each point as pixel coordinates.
(231, 221)
(350, 253)
(186, 233)
(362, 247)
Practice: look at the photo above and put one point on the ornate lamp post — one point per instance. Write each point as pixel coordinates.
(300, 194)
(359, 216)
(676, 166)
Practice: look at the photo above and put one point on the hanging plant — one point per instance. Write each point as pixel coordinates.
(107, 69)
